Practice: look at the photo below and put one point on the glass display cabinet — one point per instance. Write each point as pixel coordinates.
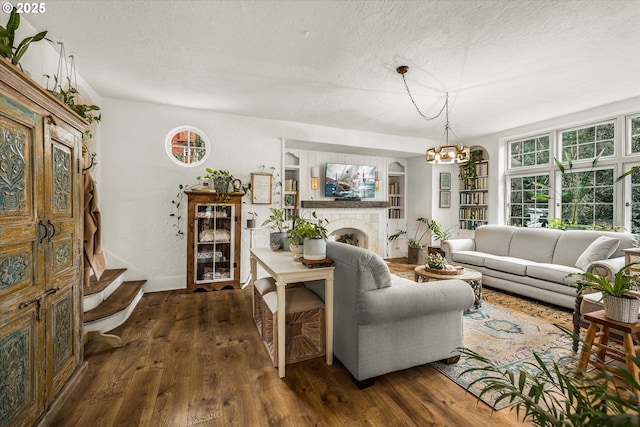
(213, 240)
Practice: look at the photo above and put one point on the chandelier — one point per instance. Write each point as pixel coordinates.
(446, 153)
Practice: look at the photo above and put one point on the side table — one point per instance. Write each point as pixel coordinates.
(469, 275)
(599, 341)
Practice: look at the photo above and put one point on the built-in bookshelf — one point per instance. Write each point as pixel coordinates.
(290, 193)
(396, 190)
(474, 196)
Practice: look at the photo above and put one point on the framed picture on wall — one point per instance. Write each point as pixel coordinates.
(261, 184)
(445, 181)
(445, 199)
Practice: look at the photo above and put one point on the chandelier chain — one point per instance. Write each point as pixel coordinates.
(418, 109)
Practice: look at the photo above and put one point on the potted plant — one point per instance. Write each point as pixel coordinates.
(416, 253)
(219, 179)
(276, 224)
(251, 221)
(7, 38)
(301, 229)
(315, 242)
(436, 261)
(618, 304)
(439, 233)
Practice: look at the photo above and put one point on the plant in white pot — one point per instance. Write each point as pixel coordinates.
(276, 223)
(297, 233)
(619, 304)
(315, 241)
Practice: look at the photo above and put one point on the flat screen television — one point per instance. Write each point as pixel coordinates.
(344, 181)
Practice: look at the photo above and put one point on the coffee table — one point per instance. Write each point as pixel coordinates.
(469, 275)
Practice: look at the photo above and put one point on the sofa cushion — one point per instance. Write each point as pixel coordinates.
(573, 243)
(494, 239)
(470, 257)
(508, 265)
(553, 272)
(601, 248)
(544, 241)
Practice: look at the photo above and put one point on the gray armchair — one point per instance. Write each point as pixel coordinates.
(383, 323)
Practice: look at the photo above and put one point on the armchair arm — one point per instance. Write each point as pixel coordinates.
(607, 268)
(455, 245)
(405, 299)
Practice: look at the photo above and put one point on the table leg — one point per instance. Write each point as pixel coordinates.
(328, 307)
(586, 346)
(476, 285)
(254, 270)
(630, 350)
(282, 327)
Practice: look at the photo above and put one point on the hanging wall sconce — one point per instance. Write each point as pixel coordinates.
(315, 173)
(377, 181)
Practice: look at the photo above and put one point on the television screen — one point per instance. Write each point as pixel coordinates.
(349, 181)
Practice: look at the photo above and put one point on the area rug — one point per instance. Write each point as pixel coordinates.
(509, 338)
(508, 330)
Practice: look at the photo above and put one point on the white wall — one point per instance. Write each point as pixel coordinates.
(138, 180)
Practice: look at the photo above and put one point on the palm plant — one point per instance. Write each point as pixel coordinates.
(622, 283)
(552, 393)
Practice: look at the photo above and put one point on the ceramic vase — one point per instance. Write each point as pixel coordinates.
(315, 249)
(276, 240)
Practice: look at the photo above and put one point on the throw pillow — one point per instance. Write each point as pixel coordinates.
(601, 248)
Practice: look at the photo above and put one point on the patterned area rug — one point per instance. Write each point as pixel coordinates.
(508, 330)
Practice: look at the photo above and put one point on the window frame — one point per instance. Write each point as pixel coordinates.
(187, 128)
(522, 140)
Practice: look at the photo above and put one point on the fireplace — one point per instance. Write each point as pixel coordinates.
(364, 224)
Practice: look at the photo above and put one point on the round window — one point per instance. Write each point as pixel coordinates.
(187, 146)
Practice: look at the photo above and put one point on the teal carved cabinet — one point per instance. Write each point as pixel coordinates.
(40, 250)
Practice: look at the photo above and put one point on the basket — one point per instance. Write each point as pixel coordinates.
(622, 309)
(444, 272)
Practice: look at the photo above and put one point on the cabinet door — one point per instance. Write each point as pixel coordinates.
(214, 242)
(62, 196)
(21, 255)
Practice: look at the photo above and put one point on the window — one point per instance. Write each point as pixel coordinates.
(633, 127)
(526, 209)
(588, 142)
(635, 201)
(187, 146)
(529, 152)
(587, 197)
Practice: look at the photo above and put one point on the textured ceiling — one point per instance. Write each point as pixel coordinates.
(332, 63)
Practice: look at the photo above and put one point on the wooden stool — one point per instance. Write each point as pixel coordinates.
(600, 340)
(305, 329)
(261, 287)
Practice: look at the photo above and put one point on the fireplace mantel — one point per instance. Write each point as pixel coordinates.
(343, 204)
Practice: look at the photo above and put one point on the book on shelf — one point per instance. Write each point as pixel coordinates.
(290, 185)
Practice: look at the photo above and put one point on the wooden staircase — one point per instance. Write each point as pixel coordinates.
(108, 303)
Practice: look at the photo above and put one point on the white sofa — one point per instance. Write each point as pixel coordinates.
(535, 262)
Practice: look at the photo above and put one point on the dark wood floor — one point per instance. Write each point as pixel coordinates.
(196, 359)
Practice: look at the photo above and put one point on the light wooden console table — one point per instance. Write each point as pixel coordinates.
(281, 266)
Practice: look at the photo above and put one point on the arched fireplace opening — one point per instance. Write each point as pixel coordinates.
(352, 236)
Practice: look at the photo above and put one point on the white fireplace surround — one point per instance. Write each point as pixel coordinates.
(367, 221)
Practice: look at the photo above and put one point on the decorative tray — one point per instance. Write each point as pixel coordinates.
(457, 269)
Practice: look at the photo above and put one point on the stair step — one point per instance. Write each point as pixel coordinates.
(109, 276)
(118, 301)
